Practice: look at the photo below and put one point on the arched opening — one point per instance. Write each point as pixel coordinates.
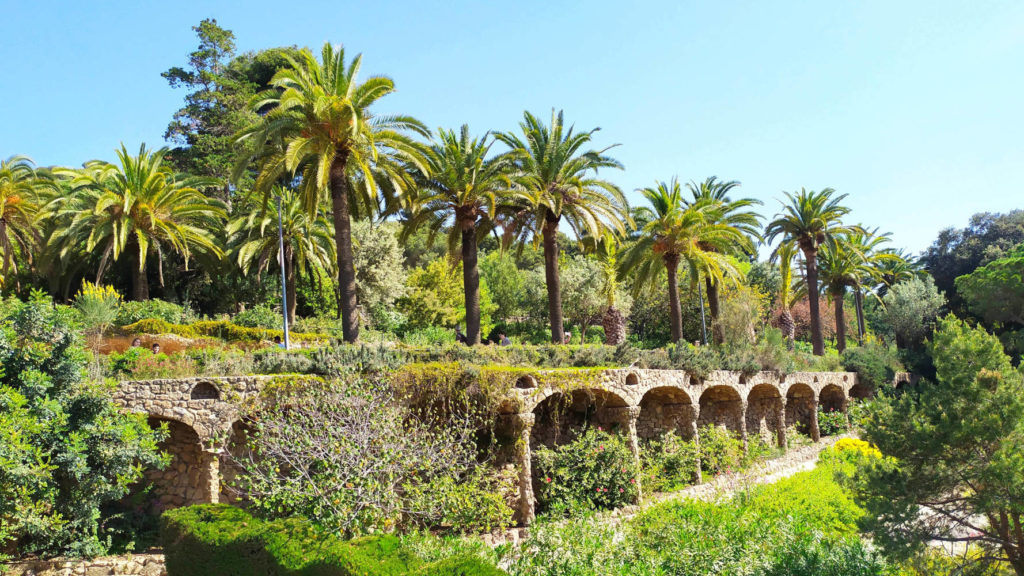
(800, 407)
(526, 382)
(632, 379)
(721, 406)
(764, 404)
(205, 391)
(832, 399)
(561, 416)
(832, 417)
(861, 391)
(665, 410)
(181, 482)
(236, 450)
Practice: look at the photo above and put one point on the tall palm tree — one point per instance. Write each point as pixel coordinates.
(559, 183)
(735, 213)
(899, 266)
(875, 261)
(139, 206)
(22, 193)
(790, 292)
(253, 236)
(851, 263)
(317, 122)
(462, 194)
(809, 220)
(680, 232)
(605, 249)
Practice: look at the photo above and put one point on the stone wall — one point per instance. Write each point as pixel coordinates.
(141, 564)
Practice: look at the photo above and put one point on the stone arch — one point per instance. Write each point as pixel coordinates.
(861, 391)
(562, 415)
(722, 406)
(204, 391)
(192, 475)
(666, 409)
(764, 408)
(800, 408)
(832, 398)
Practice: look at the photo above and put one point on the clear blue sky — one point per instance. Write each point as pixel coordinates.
(912, 108)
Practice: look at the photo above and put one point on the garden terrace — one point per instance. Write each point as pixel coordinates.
(546, 407)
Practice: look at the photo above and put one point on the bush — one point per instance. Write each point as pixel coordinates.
(479, 502)
(831, 422)
(594, 471)
(721, 451)
(875, 365)
(97, 306)
(669, 463)
(132, 311)
(223, 540)
(216, 329)
(259, 316)
(698, 361)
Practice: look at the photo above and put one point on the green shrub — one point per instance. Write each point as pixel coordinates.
(698, 361)
(223, 540)
(259, 316)
(594, 471)
(668, 463)
(831, 422)
(132, 311)
(875, 365)
(721, 451)
(478, 502)
(216, 329)
(429, 336)
(97, 306)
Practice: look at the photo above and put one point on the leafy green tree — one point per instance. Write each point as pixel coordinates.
(138, 206)
(507, 284)
(679, 232)
(736, 213)
(559, 183)
(380, 276)
(434, 297)
(22, 192)
(952, 469)
(911, 308)
(462, 195)
(65, 448)
(307, 239)
(809, 220)
(585, 293)
(995, 291)
(318, 124)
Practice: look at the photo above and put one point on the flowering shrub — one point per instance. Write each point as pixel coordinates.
(594, 471)
(97, 306)
(831, 422)
(668, 463)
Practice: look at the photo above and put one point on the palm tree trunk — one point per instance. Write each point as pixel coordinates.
(840, 322)
(614, 326)
(858, 299)
(716, 330)
(675, 309)
(289, 280)
(140, 283)
(343, 239)
(787, 326)
(550, 232)
(811, 261)
(471, 282)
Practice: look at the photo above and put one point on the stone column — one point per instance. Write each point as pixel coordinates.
(524, 426)
(695, 435)
(632, 414)
(208, 489)
(815, 431)
(781, 425)
(743, 425)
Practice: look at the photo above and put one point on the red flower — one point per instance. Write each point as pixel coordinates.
(548, 479)
(632, 480)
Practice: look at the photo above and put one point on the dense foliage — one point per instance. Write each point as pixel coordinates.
(594, 471)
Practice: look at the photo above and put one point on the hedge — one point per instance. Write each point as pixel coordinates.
(228, 541)
(216, 329)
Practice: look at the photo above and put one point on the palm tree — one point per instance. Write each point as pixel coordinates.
(307, 239)
(605, 249)
(789, 292)
(317, 122)
(22, 192)
(462, 193)
(875, 261)
(809, 220)
(735, 213)
(851, 262)
(679, 232)
(899, 266)
(558, 181)
(139, 206)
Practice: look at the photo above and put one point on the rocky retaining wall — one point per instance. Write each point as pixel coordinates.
(142, 564)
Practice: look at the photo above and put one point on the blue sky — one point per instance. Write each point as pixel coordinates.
(912, 108)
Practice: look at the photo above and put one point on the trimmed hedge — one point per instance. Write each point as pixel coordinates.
(216, 329)
(228, 541)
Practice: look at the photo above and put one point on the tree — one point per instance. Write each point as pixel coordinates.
(433, 297)
(911, 308)
(507, 284)
(462, 194)
(559, 183)
(318, 124)
(138, 206)
(307, 240)
(380, 276)
(789, 292)
(809, 220)
(849, 262)
(22, 191)
(951, 470)
(995, 294)
(606, 250)
(678, 232)
(734, 213)
(65, 448)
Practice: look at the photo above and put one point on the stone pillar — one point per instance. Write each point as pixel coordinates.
(695, 435)
(524, 426)
(632, 414)
(743, 425)
(208, 489)
(815, 431)
(781, 425)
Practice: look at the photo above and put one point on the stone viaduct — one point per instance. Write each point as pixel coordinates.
(203, 413)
